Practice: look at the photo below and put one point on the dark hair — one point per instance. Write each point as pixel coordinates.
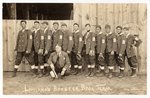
(126, 28)
(55, 23)
(76, 24)
(98, 26)
(119, 27)
(36, 22)
(64, 24)
(45, 23)
(107, 26)
(23, 21)
(87, 25)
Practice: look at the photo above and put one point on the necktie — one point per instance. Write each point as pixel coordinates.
(85, 37)
(57, 62)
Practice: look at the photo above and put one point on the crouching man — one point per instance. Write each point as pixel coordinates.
(59, 63)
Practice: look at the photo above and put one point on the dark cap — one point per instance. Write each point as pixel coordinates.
(45, 22)
(58, 46)
(64, 24)
(36, 22)
(23, 21)
(107, 26)
(126, 28)
(76, 24)
(98, 26)
(87, 24)
(55, 23)
(119, 27)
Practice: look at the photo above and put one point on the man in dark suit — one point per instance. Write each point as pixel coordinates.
(47, 46)
(23, 47)
(89, 46)
(131, 42)
(100, 50)
(67, 41)
(111, 47)
(38, 47)
(57, 36)
(76, 50)
(59, 63)
(120, 53)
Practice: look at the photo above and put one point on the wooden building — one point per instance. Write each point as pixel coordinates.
(132, 15)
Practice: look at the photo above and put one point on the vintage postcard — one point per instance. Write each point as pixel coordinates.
(74, 48)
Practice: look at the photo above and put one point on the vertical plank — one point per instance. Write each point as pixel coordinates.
(113, 14)
(117, 15)
(101, 15)
(76, 12)
(10, 50)
(126, 14)
(134, 11)
(134, 29)
(80, 16)
(110, 15)
(85, 15)
(5, 41)
(142, 24)
(92, 14)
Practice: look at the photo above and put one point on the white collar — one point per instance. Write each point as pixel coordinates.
(24, 29)
(127, 35)
(45, 29)
(58, 53)
(108, 33)
(100, 32)
(120, 33)
(36, 29)
(76, 31)
(89, 31)
(55, 30)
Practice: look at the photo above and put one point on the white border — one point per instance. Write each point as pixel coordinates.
(77, 1)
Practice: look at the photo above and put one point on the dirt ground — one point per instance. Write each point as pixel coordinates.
(24, 84)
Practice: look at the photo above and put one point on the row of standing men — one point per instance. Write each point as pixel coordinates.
(40, 46)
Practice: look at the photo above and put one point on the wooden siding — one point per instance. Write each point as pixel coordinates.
(133, 15)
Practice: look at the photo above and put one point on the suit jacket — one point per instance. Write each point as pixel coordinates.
(24, 41)
(100, 42)
(121, 44)
(48, 40)
(67, 43)
(89, 40)
(57, 37)
(77, 42)
(130, 43)
(111, 42)
(38, 40)
(64, 61)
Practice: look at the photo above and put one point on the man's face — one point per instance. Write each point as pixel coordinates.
(23, 25)
(119, 30)
(63, 28)
(125, 31)
(98, 30)
(107, 30)
(45, 26)
(55, 26)
(58, 49)
(75, 27)
(36, 25)
(87, 28)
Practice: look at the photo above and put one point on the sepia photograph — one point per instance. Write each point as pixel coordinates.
(74, 48)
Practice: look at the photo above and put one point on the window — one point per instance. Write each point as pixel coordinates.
(38, 11)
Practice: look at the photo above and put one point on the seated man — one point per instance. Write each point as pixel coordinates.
(59, 63)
